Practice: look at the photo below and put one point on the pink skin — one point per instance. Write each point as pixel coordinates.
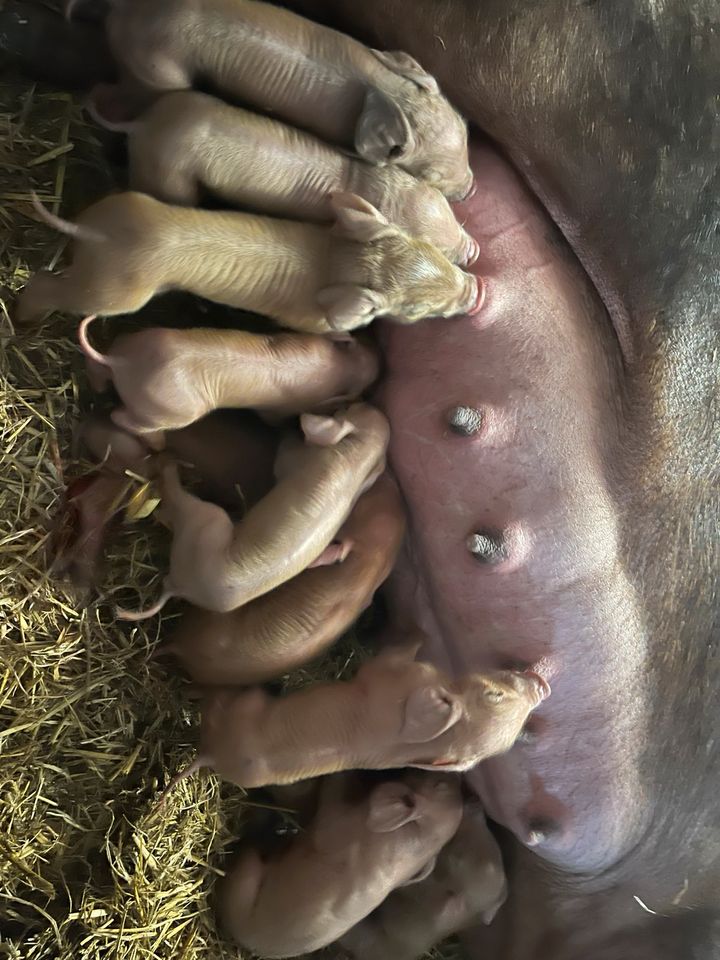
(362, 844)
(231, 456)
(300, 619)
(220, 566)
(396, 712)
(167, 379)
(466, 887)
(536, 355)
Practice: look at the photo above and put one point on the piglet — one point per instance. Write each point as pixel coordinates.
(92, 502)
(189, 143)
(231, 453)
(220, 566)
(396, 712)
(167, 379)
(129, 247)
(362, 844)
(381, 103)
(299, 620)
(467, 886)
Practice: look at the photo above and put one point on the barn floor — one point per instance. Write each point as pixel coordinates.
(90, 731)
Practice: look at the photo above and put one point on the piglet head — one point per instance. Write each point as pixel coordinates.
(410, 123)
(404, 279)
(481, 716)
(433, 802)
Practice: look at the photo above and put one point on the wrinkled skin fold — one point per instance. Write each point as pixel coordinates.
(597, 372)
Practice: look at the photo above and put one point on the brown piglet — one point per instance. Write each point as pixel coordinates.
(381, 103)
(188, 144)
(167, 379)
(396, 712)
(220, 566)
(362, 844)
(300, 619)
(129, 247)
(467, 887)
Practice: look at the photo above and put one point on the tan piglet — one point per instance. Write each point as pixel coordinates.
(299, 620)
(396, 712)
(168, 379)
(220, 566)
(188, 144)
(129, 247)
(363, 843)
(383, 104)
(467, 887)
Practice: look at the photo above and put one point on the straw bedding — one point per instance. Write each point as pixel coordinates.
(89, 729)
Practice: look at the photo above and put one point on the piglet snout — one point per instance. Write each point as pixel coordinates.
(479, 296)
(538, 685)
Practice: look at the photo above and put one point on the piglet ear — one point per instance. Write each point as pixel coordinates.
(349, 306)
(383, 133)
(422, 874)
(429, 712)
(325, 431)
(359, 220)
(406, 66)
(392, 805)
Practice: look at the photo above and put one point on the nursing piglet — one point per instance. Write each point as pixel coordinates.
(188, 143)
(396, 712)
(220, 566)
(129, 247)
(362, 844)
(167, 379)
(300, 619)
(382, 104)
(467, 886)
(231, 453)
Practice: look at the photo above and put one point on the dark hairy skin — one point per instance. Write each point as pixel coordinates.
(608, 109)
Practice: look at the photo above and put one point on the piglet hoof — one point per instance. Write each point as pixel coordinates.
(324, 431)
(336, 552)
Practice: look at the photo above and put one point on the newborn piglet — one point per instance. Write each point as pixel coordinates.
(396, 712)
(167, 379)
(361, 845)
(220, 566)
(382, 104)
(189, 143)
(231, 457)
(296, 622)
(92, 502)
(128, 247)
(231, 453)
(467, 887)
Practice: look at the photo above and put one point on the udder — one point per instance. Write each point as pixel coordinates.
(503, 425)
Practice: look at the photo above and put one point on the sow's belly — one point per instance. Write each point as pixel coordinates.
(501, 424)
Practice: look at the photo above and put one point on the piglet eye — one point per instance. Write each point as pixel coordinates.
(494, 696)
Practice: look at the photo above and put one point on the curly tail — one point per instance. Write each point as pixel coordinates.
(87, 348)
(74, 230)
(118, 126)
(136, 615)
(198, 763)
